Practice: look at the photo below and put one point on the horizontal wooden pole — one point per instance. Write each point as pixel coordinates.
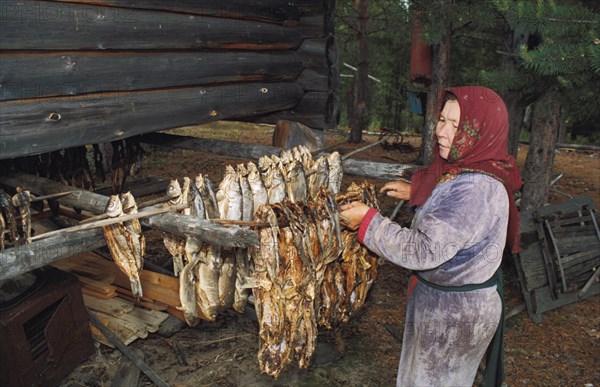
(254, 151)
(264, 10)
(170, 222)
(18, 260)
(44, 125)
(43, 25)
(69, 73)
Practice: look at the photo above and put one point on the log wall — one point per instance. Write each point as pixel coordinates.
(74, 72)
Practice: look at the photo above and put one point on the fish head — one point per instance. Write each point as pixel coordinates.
(286, 156)
(114, 207)
(128, 202)
(241, 170)
(174, 189)
(264, 164)
(199, 181)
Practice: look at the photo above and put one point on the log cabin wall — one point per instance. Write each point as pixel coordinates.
(78, 72)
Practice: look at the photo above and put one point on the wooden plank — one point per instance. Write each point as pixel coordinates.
(41, 25)
(97, 286)
(326, 80)
(264, 10)
(113, 307)
(43, 125)
(74, 73)
(92, 292)
(290, 134)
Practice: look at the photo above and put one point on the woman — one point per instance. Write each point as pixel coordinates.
(465, 215)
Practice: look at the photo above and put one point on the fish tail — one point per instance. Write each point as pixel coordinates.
(136, 287)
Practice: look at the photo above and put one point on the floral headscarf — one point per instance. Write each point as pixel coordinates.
(479, 145)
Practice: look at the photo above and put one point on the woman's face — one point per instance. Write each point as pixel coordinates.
(446, 127)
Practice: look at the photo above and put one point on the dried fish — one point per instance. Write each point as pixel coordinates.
(295, 181)
(277, 189)
(22, 201)
(133, 228)
(207, 286)
(246, 191)
(8, 212)
(229, 196)
(227, 278)
(187, 292)
(209, 198)
(118, 242)
(175, 244)
(260, 195)
(336, 172)
(318, 176)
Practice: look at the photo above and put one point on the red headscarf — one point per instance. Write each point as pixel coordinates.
(480, 145)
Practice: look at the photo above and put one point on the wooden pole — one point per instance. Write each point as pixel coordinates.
(106, 222)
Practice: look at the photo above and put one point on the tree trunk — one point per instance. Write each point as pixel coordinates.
(439, 81)
(538, 166)
(361, 118)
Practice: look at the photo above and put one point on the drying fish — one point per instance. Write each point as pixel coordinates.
(335, 172)
(22, 201)
(118, 243)
(286, 156)
(8, 214)
(187, 292)
(208, 196)
(227, 279)
(229, 196)
(295, 181)
(137, 242)
(276, 187)
(207, 286)
(192, 245)
(175, 244)
(318, 176)
(260, 195)
(246, 191)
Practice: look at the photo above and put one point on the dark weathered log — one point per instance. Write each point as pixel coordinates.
(252, 151)
(218, 147)
(42, 25)
(326, 80)
(44, 125)
(72, 73)
(19, 260)
(174, 223)
(319, 110)
(318, 53)
(317, 25)
(265, 10)
(289, 134)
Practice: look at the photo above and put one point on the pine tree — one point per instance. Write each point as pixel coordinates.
(558, 68)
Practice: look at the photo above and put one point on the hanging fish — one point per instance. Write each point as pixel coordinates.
(187, 292)
(246, 191)
(276, 189)
(8, 213)
(318, 176)
(295, 182)
(260, 195)
(175, 244)
(229, 196)
(118, 244)
(336, 172)
(22, 201)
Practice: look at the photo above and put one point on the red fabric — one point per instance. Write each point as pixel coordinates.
(364, 224)
(411, 285)
(480, 145)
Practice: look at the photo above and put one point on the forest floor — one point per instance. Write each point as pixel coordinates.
(564, 349)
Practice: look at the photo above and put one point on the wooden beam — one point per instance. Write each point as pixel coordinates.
(16, 261)
(219, 147)
(170, 222)
(264, 10)
(42, 25)
(68, 73)
(43, 125)
(326, 80)
(318, 53)
(365, 168)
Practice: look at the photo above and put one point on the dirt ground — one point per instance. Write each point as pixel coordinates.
(563, 350)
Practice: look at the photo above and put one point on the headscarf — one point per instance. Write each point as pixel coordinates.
(479, 145)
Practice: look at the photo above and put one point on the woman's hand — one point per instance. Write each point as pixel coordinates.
(352, 214)
(397, 189)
